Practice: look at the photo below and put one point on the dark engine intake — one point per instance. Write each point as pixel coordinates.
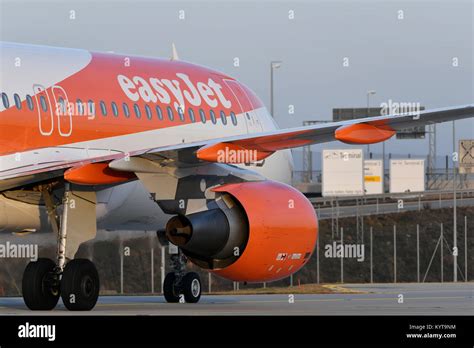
(212, 238)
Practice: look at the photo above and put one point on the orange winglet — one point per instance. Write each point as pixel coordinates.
(362, 133)
(230, 153)
(96, 174)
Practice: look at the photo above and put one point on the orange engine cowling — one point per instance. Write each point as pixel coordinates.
(271, 232)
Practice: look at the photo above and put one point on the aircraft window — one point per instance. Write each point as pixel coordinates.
(191, 115)
(43, 103)
(248, 116)
(114, 109)
(213, 116)
(159, 112)
(181, 113)
(17, 99)
(91, 106)
(126, 110)
(148, 112)
(138, 113)
(5, 101)
(223, 118)
(234, 119)
(29, 102)
(170, 113)
(202, 115)
(103, 108)
(62, 106)
(80, 107)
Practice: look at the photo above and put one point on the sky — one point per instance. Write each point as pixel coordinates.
(417, 51)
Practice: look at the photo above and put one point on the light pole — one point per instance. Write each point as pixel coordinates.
(369, 93)
(273, 65)
(455, 237)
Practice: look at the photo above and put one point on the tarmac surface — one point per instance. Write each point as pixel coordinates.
(377, 299)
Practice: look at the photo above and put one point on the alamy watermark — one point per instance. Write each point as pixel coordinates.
(20, 251)
(237, 156)
(28, 330)
(78, 109)
(400, 108)
(338, 250)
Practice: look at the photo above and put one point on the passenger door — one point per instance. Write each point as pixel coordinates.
(45, 110)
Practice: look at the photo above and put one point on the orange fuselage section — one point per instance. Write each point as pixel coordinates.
(110, 96)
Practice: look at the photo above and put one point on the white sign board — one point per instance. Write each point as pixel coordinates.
(342, 172)
(373, 177)
(407, 175)
(466, 156)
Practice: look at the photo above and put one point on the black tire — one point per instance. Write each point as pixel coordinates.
(38, 288)
(191, 287)
(80, 285)
(169, 289)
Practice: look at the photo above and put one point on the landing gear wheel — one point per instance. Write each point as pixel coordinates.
(169, 288)
(80, 285)
(191, 287)
(39, 285)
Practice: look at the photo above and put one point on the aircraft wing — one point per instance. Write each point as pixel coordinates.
(359, 131)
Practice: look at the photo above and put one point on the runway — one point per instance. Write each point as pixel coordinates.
(378, 299)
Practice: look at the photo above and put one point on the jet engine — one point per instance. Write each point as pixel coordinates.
(252, 231)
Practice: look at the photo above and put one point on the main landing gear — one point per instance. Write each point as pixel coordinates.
(44, 281)
(180, 286)
(41, 285)
(78, 285)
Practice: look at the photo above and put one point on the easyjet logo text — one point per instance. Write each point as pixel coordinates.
(182, 89)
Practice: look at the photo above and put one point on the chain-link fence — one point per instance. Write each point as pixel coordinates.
(414, 246)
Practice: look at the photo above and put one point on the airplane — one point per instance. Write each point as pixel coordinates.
(107, 141)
